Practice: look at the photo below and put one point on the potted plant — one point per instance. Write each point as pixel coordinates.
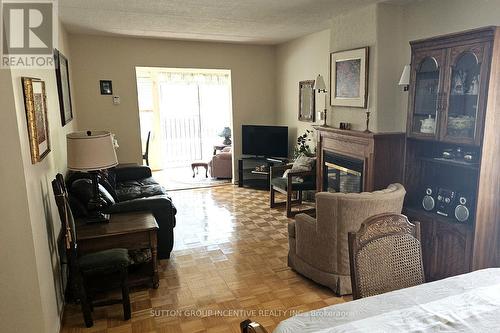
(302, 147)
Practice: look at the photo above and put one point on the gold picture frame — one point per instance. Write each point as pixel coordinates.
(35, 103)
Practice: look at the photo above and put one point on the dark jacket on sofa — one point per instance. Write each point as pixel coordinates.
(125, 189)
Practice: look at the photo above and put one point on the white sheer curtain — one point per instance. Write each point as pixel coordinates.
(192, 108)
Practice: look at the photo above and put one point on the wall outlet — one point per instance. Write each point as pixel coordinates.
(116, 100)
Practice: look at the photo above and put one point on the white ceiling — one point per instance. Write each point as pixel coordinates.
(243, 21)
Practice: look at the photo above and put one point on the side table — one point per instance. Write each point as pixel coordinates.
(133, 231)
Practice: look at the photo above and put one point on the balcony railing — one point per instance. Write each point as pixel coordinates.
(188, 138)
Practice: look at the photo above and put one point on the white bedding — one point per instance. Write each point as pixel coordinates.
(464, 303)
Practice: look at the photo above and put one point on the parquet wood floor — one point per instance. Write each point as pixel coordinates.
(229, 263)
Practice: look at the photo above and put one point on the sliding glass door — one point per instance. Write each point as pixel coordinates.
(193, 107)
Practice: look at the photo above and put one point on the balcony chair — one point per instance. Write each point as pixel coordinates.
(145, 156)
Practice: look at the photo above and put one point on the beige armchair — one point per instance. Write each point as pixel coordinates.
(221, 165)
(319, 247)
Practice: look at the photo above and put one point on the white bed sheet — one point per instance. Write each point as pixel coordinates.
(463, 303)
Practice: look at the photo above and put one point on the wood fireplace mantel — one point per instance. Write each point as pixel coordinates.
(381, 153)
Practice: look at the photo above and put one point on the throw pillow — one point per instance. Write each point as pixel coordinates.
(302, 163)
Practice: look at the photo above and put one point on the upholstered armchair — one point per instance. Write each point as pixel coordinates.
(221, 164)
(319, 247)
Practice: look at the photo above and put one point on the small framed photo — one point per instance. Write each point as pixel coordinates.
(106, 87)
(349, 78)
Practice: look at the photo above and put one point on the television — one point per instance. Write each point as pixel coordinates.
(267, 141)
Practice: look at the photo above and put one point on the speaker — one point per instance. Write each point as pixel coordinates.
(429, 201)
(446, 202)
(463, 211)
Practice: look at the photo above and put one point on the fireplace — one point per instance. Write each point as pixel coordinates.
(353, 161)
(342, 174)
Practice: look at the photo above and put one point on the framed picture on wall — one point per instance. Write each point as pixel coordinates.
(106, 87)
(63, 87)
(306, 101)
(35, 102)
(349, 78)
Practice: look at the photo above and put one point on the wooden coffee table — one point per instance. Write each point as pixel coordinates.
(197, 164)
(132, 231)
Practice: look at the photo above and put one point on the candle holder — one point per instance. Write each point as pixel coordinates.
(367, 130)
(322, 116)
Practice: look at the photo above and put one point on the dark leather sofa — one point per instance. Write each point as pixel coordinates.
(125, 189)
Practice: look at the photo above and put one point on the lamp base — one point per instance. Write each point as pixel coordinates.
(97, 217)
(96, 203)
(227, 141)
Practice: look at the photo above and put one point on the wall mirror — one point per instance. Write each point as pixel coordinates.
(306, 101)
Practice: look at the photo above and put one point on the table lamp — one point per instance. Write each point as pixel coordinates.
(92, 151)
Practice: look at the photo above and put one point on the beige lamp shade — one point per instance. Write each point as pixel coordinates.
(405, 76)
(319, 84)
(90, 151)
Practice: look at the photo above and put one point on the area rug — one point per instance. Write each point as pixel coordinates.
(182, 179)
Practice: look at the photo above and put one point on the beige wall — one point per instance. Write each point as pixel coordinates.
(298, 60)
(20, 309)
(95, 58)
(429, 18)
(351, 30)
(41, 225)
(390, 114)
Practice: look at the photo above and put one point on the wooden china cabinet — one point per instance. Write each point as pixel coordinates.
(453, 150)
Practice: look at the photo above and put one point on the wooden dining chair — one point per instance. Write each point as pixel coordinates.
(290, 185)
(385, 255)
(248, 326)
(145, 156)
(99, 266)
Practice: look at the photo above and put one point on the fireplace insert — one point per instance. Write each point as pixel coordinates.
(342, 174)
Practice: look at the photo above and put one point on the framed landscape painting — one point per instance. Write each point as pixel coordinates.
(35, 102)
(349, 78)
(63, 88)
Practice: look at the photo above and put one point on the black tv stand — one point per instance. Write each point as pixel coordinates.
(253, 172)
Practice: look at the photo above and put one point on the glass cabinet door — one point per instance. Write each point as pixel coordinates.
(464, 93)
(426, 95)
